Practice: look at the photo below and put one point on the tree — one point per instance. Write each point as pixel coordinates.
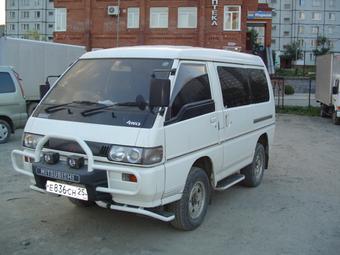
(292, 51)
(32, 35)
(255, 46)
(323, 46)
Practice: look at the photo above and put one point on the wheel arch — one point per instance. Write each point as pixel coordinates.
(9, 121)
(206, 164)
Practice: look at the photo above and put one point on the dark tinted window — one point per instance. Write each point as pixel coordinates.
(192, 85)
(6, 83)
(258, 85)
(234, 85)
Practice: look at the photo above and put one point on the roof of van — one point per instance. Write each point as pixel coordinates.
(176, 52)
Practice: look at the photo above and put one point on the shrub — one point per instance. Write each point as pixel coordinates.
(289, 90)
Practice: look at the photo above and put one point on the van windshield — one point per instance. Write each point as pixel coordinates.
(105, 91)
(108, 81)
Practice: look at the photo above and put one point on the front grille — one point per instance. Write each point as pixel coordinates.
(98, 149)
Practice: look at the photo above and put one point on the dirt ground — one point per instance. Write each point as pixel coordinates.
(296, 210)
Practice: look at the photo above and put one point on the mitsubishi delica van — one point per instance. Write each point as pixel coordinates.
(151, 130)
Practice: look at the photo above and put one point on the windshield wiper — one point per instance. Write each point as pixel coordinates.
(59, 107)
(140, 105)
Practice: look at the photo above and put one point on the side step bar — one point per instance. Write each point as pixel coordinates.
(229, 181)
(138, 210)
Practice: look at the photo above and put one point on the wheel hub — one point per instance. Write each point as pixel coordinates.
(3, 132)
(197, 200)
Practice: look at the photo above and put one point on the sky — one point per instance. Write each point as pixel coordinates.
(2, 12)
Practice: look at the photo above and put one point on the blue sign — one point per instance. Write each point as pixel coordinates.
(260, 15)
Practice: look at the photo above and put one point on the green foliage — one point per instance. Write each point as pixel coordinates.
(300, 110)
(32, 35)
(323, 46)
(255, 46)
(298, 71)
(289, 90)
(292, 51)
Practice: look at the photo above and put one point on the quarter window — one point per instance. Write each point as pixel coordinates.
(6, 83)
(234, 85)
(258, 85)
(192, 85)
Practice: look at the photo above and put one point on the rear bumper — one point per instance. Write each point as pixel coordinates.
(102, 179)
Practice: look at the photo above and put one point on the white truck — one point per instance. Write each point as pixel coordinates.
(327, 85)
(34, 61)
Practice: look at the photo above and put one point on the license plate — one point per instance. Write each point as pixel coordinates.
(67, 190)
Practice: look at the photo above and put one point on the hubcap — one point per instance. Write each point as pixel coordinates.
(3, 132)
(197, 200)
(258, 164)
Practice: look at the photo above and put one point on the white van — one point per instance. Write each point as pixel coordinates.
(152, 130)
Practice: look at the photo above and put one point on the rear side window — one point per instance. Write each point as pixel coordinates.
(259, 86)
(234, 85)
(192, 85)
(6, 83)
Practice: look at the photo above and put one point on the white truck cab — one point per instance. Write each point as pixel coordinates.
(151, 130)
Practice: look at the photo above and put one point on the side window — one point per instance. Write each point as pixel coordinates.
(234, 85)
(6, 83)
(192, 85)
(259, 86)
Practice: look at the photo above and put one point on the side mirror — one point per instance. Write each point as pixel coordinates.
(335, 90)
(43, 89)
(159, 93)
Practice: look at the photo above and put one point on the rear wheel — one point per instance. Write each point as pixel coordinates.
(192, 207)
(81, 203)
(5, 131)
(336, 120)
(254, 172)
(323, 111)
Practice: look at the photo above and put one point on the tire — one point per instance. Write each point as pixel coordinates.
(5, 131)
(254, 172)
(336, 120)
(323, 112)
(81, 203)
(188, 215)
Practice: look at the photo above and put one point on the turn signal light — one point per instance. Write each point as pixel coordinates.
(129, 177)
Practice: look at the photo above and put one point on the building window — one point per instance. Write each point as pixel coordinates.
(37, 27)
(301, 42)
(287, 6)
(315, 30)
(60, 19)
(286, 33)
(301, 15)
(330, 30)
(50, 13)
(37, 3)
(316, 3)
(50, 25)
(311, 56)
(331, 3)
(232, 18)
(12, 3)
(187, 17)
(12, 27)
(273, 1)
(25, 15)
(331, 16)
(37, 14)
(25, 27)
(274, 28)
(286, 20)
(301, 2)
(159, 17)
(301, 29)
(313, 42)
(273, 41)
(25, 2)
(316, 16)
(133, 17)
(12, 15)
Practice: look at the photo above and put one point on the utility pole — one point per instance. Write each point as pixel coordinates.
(117, 27)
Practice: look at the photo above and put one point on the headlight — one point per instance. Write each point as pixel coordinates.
(135, 155)
(31, 140)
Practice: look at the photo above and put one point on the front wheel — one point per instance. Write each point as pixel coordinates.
(192, 207)
(5, 131)
(254, 172)
(336, 120)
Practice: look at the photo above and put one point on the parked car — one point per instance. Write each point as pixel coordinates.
(152, 130)
(12, 103)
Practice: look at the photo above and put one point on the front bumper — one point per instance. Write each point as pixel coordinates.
(102, 179)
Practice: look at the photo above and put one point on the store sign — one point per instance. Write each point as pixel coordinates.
(214, 12)
(260, 15)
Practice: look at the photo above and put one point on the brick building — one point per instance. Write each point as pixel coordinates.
(206, 23)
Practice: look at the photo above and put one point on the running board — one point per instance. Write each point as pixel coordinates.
(163, 216)
(229, 181)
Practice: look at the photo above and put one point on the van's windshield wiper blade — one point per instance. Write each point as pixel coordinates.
(89, 112)
(58, 107)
